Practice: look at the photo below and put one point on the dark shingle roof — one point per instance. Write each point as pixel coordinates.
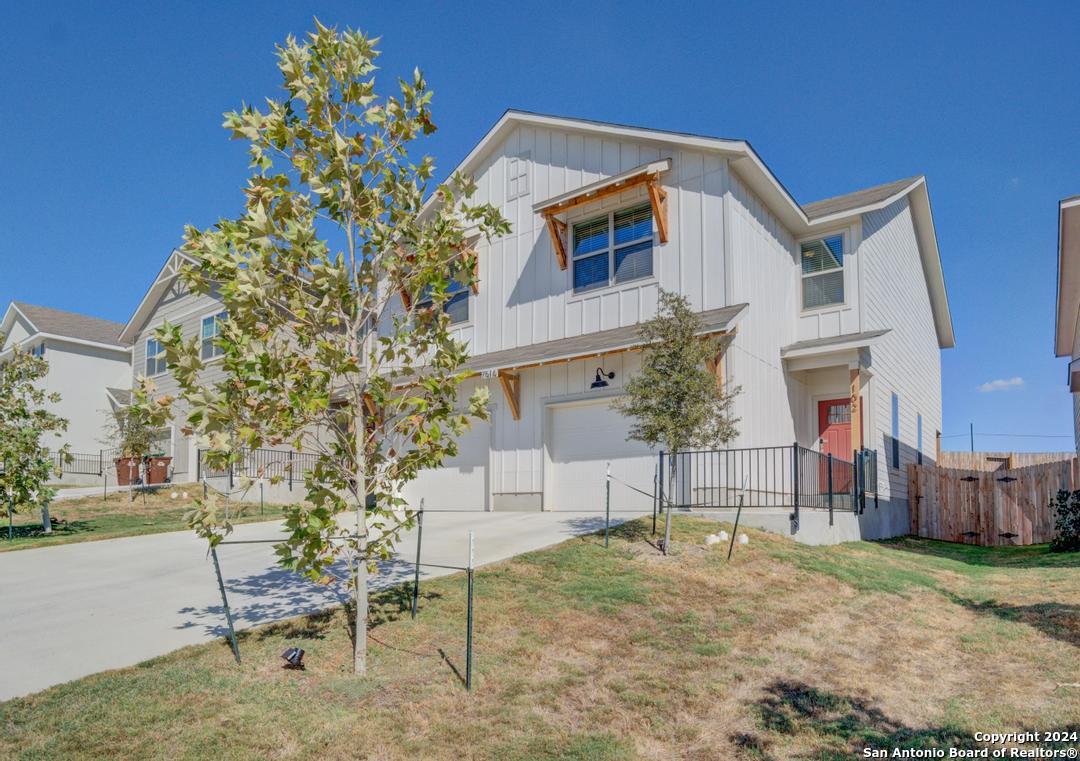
(824, 343)
(873, 195)
(72, 325)
(712, 320)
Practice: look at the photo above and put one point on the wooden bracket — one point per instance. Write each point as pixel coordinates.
(716, 368)
(511, 386)
(557, 229)
(470, 251)
(406, 299)
(658, 198)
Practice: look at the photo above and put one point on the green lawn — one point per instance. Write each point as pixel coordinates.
(90, 518)
(787, 651)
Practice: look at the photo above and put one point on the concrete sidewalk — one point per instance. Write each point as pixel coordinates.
(77, 609)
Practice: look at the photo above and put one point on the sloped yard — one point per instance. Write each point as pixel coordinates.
(786, 652)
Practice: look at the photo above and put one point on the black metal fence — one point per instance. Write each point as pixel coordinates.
(289, 465)
(792, 477)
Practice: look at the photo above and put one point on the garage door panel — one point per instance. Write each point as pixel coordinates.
(461, 483)
(583, 439)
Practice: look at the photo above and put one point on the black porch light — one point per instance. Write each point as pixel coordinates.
(294, 658)
(600, 375)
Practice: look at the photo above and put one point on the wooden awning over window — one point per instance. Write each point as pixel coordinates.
(646, 174)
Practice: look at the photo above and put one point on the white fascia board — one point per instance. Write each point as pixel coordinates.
(1068, 284)
(923, 216)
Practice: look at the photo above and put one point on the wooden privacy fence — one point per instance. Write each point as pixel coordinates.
(1000, 507)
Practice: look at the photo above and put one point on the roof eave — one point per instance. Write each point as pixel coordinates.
(1066, 303)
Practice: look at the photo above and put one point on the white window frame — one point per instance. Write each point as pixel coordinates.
(517, 176)
(427, 303)
(203, 318)
(843, 269)
(611, 283)
(160, 355)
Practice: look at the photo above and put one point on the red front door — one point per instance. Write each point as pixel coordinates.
(834, 427)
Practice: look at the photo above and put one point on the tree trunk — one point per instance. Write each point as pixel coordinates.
(46, 522)
(361, 574)
(360, 649)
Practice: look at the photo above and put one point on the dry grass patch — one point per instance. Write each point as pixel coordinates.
(785, 652)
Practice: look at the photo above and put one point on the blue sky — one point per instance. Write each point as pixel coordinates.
(111, 137)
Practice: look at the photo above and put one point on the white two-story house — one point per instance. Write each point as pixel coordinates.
(835, 311)
(89, 367)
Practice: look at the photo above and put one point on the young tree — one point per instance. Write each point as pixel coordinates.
(130, 432)
(26, 462)
(319, 353)
(675, 401)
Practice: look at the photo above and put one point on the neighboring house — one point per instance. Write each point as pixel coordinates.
(1067, 324)
(836, 311)
(88, 364)
(169, 299)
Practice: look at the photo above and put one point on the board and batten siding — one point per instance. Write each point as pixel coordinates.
(524, 297)
(762, 255)
(907, 360)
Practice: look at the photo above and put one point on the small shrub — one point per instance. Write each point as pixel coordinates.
(1066, 507)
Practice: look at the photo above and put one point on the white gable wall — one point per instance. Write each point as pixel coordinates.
(80, 374)
(525, 298)
(907, 360)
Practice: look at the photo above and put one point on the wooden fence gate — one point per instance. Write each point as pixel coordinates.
(999, 507)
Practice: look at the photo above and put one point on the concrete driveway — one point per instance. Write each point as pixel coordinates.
(77, 609)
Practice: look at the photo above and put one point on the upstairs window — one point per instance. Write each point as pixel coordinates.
(822, 272)
(38, 351)
(615, 248)
(155, 358)
(211, 329)
(456, 305)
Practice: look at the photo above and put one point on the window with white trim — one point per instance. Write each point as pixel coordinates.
(456, 304)
(822, 271)
(211, 329)
(517, 176)
(38, 351)
(155, 357)
(615, 248)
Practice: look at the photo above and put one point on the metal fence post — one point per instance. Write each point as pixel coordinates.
(607, 504)
(655, 498)
(672, 463)
(469, 621)
(795, 485)
(198, 465)
(829, 465)
(290, 469)
(225, 605)
(416, 570)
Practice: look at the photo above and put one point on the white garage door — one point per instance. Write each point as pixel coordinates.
(461, 484)
(583, 438)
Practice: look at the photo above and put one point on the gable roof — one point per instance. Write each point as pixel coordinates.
(752, 170)
(164, 278)
(63, 324)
